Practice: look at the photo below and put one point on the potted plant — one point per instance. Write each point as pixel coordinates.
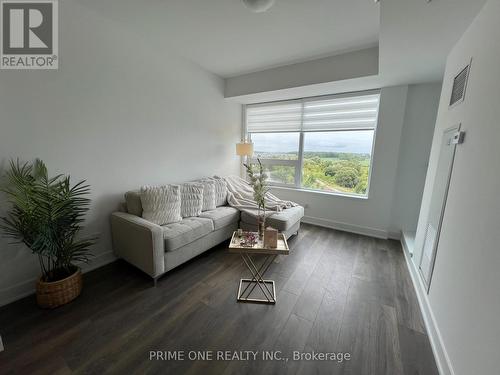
(258, 181)
(47, 215)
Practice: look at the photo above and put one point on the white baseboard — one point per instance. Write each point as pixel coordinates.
(27, 287)
(394, 235)
(441, 356)
(367, 231)
(408, 242)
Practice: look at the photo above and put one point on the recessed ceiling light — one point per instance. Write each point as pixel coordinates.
(258, 6)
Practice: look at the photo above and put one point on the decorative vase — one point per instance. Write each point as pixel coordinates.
(262, 227)
(50, 295)
(271, 238)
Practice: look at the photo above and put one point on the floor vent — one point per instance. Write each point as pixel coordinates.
(459, 86)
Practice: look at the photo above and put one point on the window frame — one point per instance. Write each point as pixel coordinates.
(299, 163)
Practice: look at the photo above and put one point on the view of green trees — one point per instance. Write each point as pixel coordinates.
(329, 171)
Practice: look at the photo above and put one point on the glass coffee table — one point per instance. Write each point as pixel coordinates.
(249, 254)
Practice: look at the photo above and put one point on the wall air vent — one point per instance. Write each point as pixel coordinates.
(459, 86)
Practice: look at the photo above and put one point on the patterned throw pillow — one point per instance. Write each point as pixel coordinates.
(220, 191)
(191, 199)
(208, 195)
(161, 204)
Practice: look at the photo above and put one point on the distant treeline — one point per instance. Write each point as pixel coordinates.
(336, 155)
(320, 154)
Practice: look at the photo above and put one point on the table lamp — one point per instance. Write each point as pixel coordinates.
(244, 148)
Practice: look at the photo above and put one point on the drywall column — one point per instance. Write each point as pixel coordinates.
(416, 140)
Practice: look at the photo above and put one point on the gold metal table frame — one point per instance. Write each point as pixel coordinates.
(246, 285)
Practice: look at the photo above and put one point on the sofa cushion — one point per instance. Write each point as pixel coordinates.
(279, 220)
(191, 199)
(222, 216)
(185, 231)
(161, 204)
(133, 202)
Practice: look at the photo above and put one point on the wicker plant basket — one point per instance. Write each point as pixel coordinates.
(50, 295)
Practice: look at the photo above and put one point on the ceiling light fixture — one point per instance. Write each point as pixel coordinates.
(258, 6)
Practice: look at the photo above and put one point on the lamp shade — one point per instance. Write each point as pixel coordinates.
(244, 149)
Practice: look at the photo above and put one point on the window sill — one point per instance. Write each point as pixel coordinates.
(302, 190)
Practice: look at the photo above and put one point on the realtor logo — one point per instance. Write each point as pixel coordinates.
(29, 34)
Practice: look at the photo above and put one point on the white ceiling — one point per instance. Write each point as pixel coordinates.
(226, 38)
(416, 37)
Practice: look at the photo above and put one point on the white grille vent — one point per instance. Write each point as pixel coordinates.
(459, 86)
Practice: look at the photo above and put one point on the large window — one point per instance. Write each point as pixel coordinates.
(320, 144)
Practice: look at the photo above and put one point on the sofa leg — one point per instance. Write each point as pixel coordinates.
(155, 281)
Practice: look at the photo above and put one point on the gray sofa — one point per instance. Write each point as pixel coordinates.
(156, 249)
(286, 221)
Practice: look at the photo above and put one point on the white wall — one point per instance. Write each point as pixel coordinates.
(464, 293)
(416, 140)
(119, 113)
(357, 64)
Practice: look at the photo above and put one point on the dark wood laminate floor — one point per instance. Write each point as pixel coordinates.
(336, 292)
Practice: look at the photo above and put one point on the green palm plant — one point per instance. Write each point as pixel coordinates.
(47, 214)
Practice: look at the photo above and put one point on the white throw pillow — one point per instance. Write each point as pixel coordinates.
(208, 195)
(161, 204)
(220, 191)
(191, 199)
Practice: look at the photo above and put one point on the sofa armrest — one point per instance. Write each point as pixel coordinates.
(139, 242)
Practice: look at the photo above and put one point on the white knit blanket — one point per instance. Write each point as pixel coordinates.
(240, 196)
